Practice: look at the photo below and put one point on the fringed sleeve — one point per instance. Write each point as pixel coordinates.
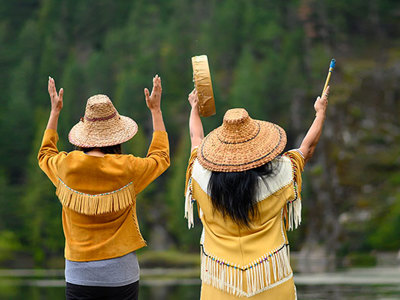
(293, 209)
(48, 157)
(188, 190)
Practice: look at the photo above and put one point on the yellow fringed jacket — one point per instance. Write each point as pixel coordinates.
(241, 261)
(98, 195)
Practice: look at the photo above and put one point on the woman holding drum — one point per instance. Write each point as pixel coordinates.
(248, 194)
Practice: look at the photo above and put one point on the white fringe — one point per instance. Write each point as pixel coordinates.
(294, 213)
(229, 277)
(189, 205)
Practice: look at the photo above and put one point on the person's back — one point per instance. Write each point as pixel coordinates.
(97, 187)
(247, 197)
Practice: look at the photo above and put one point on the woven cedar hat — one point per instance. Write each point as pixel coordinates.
(203, 84)
(102, 126)
(241, 143)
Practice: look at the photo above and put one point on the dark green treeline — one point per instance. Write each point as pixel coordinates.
(270, 57)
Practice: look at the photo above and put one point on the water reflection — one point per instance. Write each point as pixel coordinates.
(356, 284)
(169, 292)
(20, 292)
(189, 292)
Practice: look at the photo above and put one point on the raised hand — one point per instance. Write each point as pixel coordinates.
(56, 98)
(153, 100)
(311, 139)
(193, 99)
(195, 125)
(321, 104)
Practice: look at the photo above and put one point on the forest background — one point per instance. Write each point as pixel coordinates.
(270, 57)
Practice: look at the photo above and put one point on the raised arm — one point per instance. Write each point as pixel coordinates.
(195, 125)
(56, 104)
(153, 102)
(311, 139)
(49, 157)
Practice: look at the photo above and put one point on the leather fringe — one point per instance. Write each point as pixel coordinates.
(293, 210)
(95, 204)
(294, 214)
(270, 270)
(188, 190)
(189, 204)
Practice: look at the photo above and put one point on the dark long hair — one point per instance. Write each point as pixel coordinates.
(233, 194)
(116, 149)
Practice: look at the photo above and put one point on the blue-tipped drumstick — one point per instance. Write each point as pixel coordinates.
(331, 67)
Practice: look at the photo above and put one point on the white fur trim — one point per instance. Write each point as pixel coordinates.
(266, 189)
(273, 184)
(201, 175)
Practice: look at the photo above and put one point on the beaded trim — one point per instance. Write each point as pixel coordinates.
(270, 270)
(247, 267)
(97, 204)
(294, 170)
(190, 187)
(296, 195)
(96, 195)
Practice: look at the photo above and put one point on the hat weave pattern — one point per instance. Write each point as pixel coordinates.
(241, 143)
(102, 125)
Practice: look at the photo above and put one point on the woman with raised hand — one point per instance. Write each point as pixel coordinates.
(97, 187)
(247, 194)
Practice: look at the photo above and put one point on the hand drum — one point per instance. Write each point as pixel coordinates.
(203, 84)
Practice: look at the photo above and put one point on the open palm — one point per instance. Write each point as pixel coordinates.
(56, 98)
(153, 100)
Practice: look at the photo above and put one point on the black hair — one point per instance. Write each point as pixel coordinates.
(115, 149)
(233, 194)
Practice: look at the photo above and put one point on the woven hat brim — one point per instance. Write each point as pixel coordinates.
(90, 134)
(216, 155)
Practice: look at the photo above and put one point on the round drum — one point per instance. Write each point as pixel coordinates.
(203, 84)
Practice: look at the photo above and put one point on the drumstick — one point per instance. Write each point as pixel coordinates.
(331, 67)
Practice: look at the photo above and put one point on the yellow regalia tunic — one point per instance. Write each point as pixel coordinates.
(98, 195)
(254, 262)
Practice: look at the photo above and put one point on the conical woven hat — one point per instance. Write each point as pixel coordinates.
(102, 126)
(241, 143)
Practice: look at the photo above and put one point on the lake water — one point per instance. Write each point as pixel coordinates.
(360, 284)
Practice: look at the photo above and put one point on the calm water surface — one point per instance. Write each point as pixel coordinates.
(361, 284)
(177, 292)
